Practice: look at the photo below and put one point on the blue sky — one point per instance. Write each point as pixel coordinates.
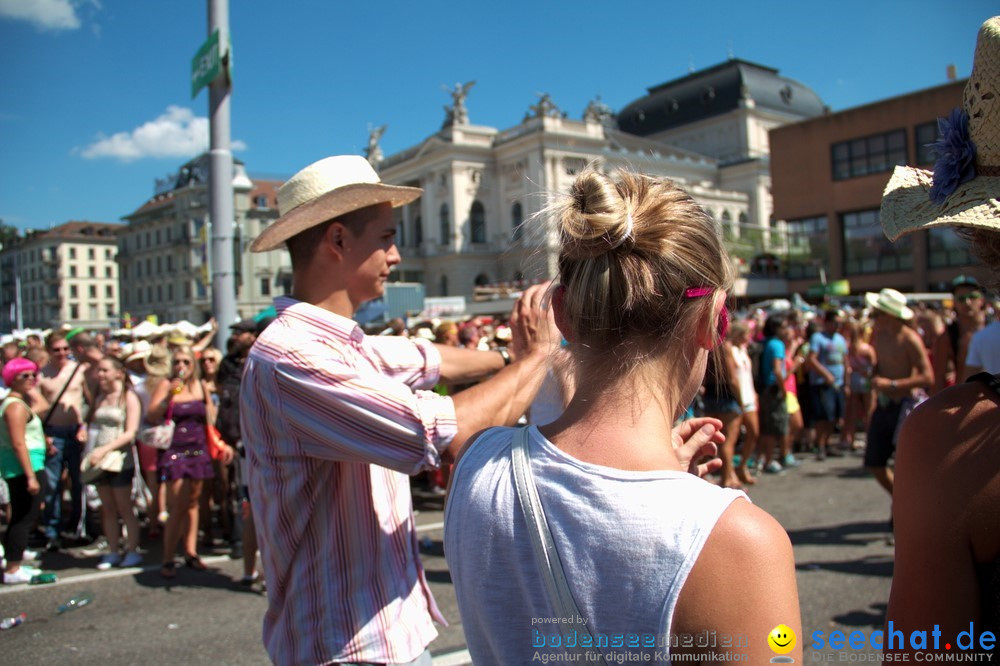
(95, 97)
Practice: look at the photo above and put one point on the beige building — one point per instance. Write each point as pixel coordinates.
(165, 250)
(67, 274)
(475, 225)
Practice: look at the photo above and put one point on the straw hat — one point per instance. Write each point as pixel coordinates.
(907, 203)
(158, 361)
(890, 302)
(135, 351)
(325, 190)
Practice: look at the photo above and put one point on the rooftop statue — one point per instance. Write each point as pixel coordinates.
(457, 114)
(373, 152)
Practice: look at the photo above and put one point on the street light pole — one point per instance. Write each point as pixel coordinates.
(221, 180)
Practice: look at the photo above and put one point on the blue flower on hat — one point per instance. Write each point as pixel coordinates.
(956, 156)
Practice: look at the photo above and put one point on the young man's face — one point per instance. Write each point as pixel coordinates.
(371, 256)
(968, 301)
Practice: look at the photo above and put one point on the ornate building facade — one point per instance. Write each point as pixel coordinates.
(478, 222)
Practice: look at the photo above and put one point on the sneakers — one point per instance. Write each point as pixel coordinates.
(790, 461)
(22, 575)
(31, 555)
(773, 467)
(108, 561)
(131, 559)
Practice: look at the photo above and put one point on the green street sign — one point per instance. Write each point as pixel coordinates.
(206, 64)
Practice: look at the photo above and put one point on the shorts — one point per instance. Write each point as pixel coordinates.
(827, 403)
(792, 401)
(882, 433)
(714, 405)
(773, 412)
(122, 479)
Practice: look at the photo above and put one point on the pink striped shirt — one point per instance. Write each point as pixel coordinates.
(333, 423)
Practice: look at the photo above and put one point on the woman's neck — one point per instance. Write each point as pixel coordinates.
(623, 428)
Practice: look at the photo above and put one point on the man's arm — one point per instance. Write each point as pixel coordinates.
(502, 399)
(923, 375)
(462, 366)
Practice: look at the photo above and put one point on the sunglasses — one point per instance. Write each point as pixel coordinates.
(182, 361)
(698, 292)
(25, 375)
(971, 296)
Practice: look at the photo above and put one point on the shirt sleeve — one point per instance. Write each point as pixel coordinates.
(341, 412)
(414, 361)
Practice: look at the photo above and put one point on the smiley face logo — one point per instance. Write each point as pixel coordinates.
(781, 640)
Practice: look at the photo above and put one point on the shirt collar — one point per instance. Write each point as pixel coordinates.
(316, 320)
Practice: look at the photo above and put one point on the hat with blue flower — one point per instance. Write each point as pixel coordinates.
(964, 188)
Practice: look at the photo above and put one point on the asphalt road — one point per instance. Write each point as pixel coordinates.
(836, 517)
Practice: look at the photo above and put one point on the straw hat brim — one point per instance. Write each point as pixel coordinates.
(907, 206)
(872, 299)
(334, 203)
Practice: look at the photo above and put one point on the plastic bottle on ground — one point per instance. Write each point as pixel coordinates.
(78, 601)
(10, 622)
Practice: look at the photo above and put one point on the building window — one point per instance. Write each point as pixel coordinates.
(108, 272)
(93, 313)
(90, 254)
(93, 291)
(110, 311)
(867, 250)
(159, 292)
(808, 247)
(477, 215)
(265, 287)
(170, 263)
(872, 154)
(157, 237)
(72, 253)
(170, 291)
(159, 264)
(482, 280)
(418, 231)
(74, 311)
(444, 285)
(946, 249)
(187, 289)
(109, 291)
(92, 271)
(72, 291)
(445, 225)
(516, 221)
(261, 201)
(107, 253)
(924, 137)
(72, 271)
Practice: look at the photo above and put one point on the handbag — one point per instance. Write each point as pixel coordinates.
(113, 462)
(213, 438)
(546, 556)
(159, 436)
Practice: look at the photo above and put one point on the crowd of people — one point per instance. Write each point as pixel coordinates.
(82, 468)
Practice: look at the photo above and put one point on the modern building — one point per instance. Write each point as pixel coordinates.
(828, 176)
(165, 250)
(478, 223)
(67, 274)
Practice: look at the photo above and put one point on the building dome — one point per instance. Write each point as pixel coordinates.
(715, 91)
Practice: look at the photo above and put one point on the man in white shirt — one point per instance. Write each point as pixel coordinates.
(984, 351)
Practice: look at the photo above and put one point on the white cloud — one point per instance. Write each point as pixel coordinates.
(176, 133)
(43, 14)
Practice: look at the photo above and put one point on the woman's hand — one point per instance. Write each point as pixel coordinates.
(33, 486)
(81, 433)
(97, 455)
(228, 453)
(696, 439)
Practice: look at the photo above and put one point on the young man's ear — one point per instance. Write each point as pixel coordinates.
(333, 240)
